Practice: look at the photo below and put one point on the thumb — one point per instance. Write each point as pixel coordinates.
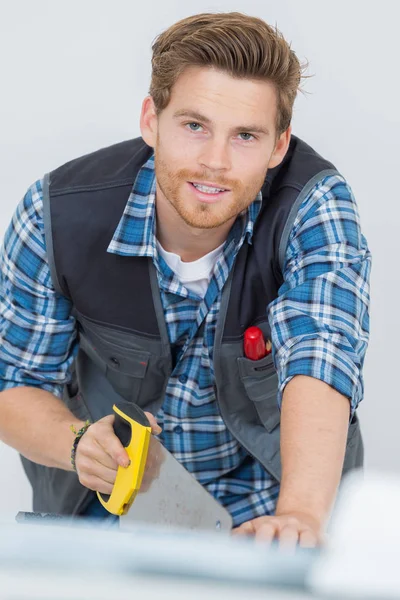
(109, 441)
(246, 528)
(155, 428)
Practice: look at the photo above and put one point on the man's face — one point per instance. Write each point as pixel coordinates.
(213, 145)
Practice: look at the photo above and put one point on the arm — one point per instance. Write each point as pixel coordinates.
(37, 346)
(37, 342)
(314, 426)
(320, 329)
(37, 424)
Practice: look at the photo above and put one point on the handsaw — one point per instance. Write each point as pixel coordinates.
(155, 488)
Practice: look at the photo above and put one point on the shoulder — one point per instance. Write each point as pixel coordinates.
(331, 196)
(104, 167)
(30, 208)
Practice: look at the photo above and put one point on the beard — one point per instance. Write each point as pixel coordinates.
(200, 215)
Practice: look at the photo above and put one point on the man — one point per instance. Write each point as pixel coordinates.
(134, 272)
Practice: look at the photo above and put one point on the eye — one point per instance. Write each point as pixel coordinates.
(193, 126)
(247, 139)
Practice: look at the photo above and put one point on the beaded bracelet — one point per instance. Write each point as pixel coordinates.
(78, 435)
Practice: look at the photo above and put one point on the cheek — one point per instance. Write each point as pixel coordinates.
(186, 155)
(181, 147)
(249, 170)
(178, 155)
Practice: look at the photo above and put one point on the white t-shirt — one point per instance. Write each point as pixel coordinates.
(194, 275)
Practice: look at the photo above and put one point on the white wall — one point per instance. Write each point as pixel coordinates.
(72, 78)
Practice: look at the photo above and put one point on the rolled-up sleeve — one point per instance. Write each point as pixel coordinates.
(37, 331)
(320, 319)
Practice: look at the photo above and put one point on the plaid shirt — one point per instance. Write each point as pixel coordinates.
(319, 324)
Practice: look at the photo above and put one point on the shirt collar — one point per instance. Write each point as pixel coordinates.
(135, 233)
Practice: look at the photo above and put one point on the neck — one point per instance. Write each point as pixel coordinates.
(176, 236)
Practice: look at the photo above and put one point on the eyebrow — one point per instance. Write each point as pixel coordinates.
(196, 116)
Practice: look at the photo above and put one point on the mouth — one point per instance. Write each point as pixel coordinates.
(207, 192)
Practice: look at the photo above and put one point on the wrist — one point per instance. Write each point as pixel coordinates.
(314, 516)
(78, 429)
(305, 498)
(298, 510)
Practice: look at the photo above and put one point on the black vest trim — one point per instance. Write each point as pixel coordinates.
(294, 210)
(48, 235)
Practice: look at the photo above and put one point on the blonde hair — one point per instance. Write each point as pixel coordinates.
(237, 44)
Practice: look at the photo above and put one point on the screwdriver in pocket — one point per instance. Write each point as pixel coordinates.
(255, 346)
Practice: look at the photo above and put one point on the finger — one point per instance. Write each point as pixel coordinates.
(288, 537)
(96, 484)
(308, 539)
(266, 531)
(244, 529)
(107, 439)
(155, 428)
(91, 449)
(112, 445)
(86, 467)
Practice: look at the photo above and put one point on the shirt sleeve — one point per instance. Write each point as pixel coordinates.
(37, 332)
(320, 319)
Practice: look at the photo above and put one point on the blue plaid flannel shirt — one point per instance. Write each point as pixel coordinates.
(320, 324)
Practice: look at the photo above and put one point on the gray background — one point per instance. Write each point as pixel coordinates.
(73, 76)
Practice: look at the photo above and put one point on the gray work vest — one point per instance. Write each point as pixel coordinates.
(124, 350)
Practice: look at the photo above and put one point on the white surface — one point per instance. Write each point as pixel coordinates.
(73, 77)
(65, 562)
(362, 559)
(55, 586)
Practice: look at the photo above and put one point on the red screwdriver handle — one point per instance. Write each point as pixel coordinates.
(254, 343)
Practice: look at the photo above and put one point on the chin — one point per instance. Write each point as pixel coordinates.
(205, 221)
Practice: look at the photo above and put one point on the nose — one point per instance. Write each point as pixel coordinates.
(215, 155)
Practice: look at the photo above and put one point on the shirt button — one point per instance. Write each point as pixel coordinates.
(114, 361)
(183, 378)
(178, 429)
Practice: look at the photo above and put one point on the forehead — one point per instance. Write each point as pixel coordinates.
(219, 95)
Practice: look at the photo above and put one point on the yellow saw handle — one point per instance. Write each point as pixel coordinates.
(133, 429)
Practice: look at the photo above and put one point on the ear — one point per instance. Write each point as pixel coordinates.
(149, 122)
(280, 149)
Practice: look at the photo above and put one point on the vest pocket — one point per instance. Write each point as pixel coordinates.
(77, 406)
(125, 369)
(260, 381)
(73, 399)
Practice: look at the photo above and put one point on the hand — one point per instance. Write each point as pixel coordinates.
(99, 454)
(289, 529)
